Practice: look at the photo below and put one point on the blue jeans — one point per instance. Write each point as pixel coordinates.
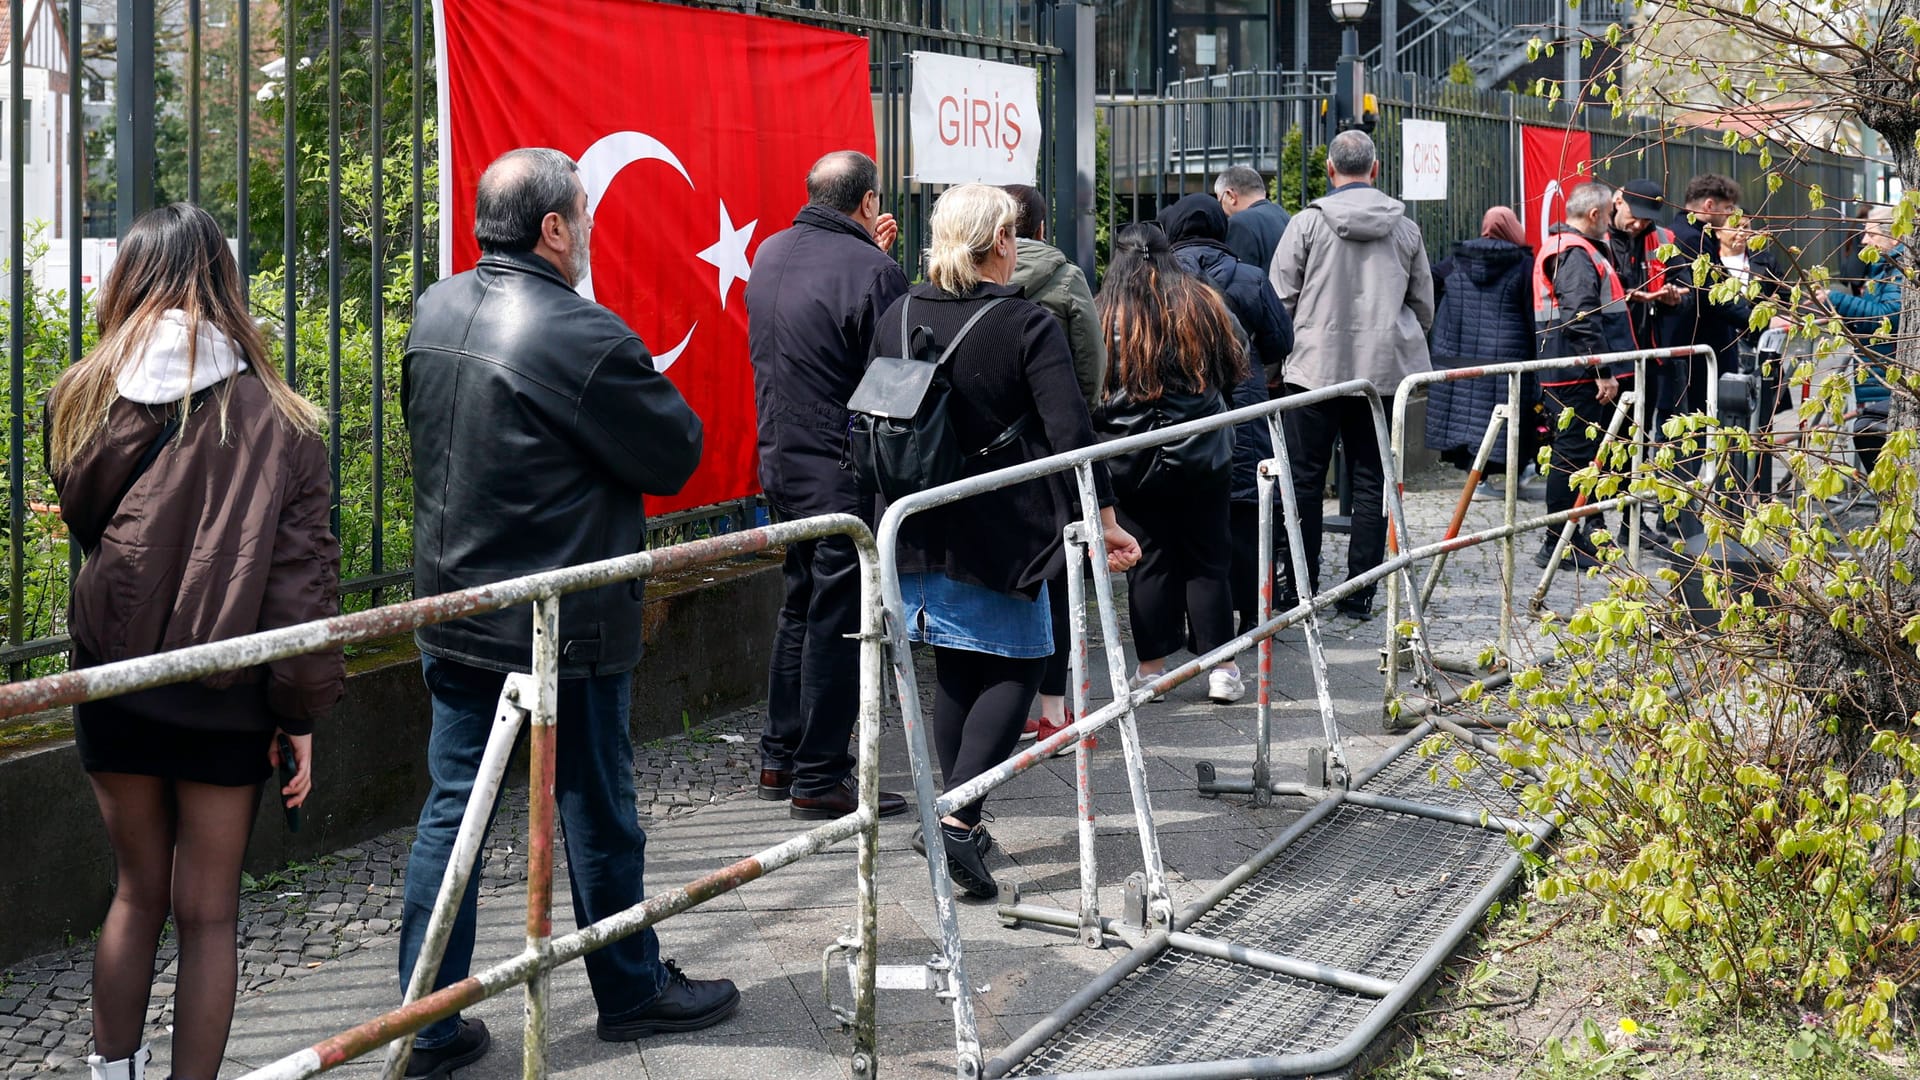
(593, 791)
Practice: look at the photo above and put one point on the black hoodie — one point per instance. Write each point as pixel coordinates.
(1196, 226)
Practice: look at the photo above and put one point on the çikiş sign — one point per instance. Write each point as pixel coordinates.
(974, 120)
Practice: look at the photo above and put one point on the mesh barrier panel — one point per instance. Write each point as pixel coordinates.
(1365, 890)
(1182, 1007)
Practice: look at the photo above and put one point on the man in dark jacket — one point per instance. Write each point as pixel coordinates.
(1580, 308)
(1254, 223)
(1635, 237)
(537, 423)
(816, 294)
(1197, 228)
(1697, 319)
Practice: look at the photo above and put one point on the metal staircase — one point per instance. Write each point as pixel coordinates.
(1490, 35)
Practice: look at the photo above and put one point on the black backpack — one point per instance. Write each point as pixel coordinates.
(900, 438)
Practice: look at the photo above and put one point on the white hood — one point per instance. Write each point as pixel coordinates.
(159, 375)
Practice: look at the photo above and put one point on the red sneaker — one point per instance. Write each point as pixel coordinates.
(1032, 730)
(1047, 731)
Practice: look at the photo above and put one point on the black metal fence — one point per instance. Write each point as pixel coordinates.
(307, 128)
(1162, 147)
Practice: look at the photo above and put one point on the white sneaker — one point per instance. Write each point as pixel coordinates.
(127, 1068)
(1225, 687)
(1140, 680)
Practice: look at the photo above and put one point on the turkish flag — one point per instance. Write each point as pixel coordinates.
(694, 131)
(1553, 161)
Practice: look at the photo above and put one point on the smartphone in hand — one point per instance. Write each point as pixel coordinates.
(287, 770)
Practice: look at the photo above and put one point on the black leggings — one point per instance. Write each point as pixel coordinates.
(1186, 550)
(979, 706)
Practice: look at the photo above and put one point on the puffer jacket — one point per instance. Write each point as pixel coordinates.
(1252, 441)
(1879, 300)
(1196, 227)
(224, 535)
(1045, 276)
(1353, 272)
(1485, 316)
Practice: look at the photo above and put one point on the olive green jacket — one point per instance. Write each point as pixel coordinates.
(1045, 277)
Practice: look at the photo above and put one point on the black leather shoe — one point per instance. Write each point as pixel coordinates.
(469, 1045)
(966, 866)
(982, 839)
(840, 802)
(1355, 606)
(776, 785)
(683, 1005)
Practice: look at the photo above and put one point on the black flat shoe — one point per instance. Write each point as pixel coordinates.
(683, 1005)
(469, 1045)
(982, 839)
(966, 866)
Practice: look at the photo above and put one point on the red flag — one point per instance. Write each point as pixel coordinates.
(694, 131)
(1553, 161)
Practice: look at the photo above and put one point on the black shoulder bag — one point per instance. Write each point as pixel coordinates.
(900, 437)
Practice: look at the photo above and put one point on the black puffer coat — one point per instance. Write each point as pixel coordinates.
(1196, 226)
(1485, 316)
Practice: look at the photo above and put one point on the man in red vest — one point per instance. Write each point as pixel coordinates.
(1579, 310)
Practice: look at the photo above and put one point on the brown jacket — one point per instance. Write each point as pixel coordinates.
(220, 538)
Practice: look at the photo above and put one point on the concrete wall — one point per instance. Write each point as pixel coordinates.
(707, 640)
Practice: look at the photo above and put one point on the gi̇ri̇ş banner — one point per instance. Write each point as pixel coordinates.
(694, 131)
(974, 120)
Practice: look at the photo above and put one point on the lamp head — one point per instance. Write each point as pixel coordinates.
(1348, 12)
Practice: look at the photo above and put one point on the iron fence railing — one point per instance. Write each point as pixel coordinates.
(306, 127)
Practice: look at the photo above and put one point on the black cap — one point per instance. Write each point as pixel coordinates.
(1645, 200)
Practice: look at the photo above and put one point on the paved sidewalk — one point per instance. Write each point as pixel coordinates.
(318, 948)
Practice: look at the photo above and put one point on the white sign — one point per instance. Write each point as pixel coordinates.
(974, 120)
(1206, 50)
(1423, 160)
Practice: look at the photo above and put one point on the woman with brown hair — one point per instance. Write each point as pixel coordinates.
(1174, 355)
(196, 481)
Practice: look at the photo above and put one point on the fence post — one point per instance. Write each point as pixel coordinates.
(133, 138)
(1073, 133)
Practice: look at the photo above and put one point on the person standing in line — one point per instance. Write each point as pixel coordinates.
(1352, 269)
(1048, 278)
(1580, 309)
(813, 305)
(1196, 226)
(1484, 316)
(510, 374)
(1175, 358)
(1850, 269)
(1877, 303)
(975, 574)
(196, 481)
(1698, 319)
(1637, 234)
(1255, 223)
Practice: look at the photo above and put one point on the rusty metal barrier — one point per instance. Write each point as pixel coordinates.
(528, 700)
(1631, 406)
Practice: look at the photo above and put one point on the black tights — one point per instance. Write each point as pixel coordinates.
(979, 706)
(177, 848)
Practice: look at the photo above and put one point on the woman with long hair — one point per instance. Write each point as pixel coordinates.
(1174, 354)
(196, 482)
(974, 575)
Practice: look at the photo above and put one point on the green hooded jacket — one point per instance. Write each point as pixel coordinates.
(1044, 276)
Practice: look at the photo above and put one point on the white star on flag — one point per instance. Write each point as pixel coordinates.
(729, 253)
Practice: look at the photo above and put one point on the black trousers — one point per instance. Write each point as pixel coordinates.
(980, 704)
(1311, 432)
(1575, 445)
(1186, 552)
(813, 691)
(1243, 576)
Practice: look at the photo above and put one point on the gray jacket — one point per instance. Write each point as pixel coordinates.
(1353, 271)
(1044, 276)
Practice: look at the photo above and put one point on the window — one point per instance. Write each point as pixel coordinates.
(216, 67)
(26, 122)
(96, 90)
(214, 12)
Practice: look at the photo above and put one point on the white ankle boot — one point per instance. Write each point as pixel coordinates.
(127, 1068)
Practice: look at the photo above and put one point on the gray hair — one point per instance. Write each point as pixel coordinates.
(1587, 198)
(964, 225)
(517, 192)
(840, 180)
(1241, 180)
(1351, 153)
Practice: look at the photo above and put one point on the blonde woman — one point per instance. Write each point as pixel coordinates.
(974, 575)
(196, 482)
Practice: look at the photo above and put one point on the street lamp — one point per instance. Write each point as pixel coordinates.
(1349, 78)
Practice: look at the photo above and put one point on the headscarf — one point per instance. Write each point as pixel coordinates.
(1501, 223)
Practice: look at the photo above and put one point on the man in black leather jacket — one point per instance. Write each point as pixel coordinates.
(817, 292)
(537, 423)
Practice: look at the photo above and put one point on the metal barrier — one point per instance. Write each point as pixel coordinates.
(1631, 404)
(529, 700)
(1086, 545)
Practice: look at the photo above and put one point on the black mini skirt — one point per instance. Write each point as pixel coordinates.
(116, 738)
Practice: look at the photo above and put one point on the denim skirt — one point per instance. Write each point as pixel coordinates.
(956, 615)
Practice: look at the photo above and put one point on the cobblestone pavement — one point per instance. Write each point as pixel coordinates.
(306, 917)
